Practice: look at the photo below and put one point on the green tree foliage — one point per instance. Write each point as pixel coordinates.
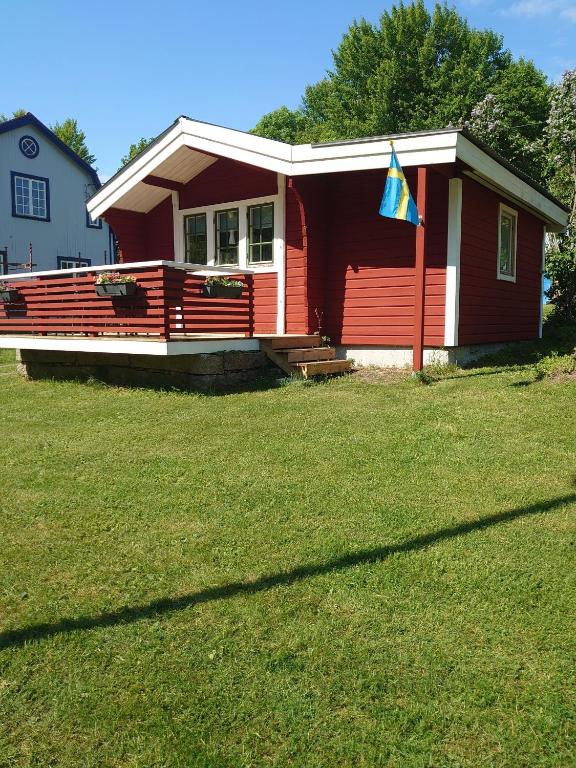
(134, 150)
(16, 113)
(417, 70)
(72, 136)
(560, 137)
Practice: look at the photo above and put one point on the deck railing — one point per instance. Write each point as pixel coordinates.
(168, 302)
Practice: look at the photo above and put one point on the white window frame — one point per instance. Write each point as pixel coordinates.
(514, 215)
(73, 263)
(30, 180)
(242, 205)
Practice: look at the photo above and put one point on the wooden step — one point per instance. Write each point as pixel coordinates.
(324, 367)
(311, 353)
(292, 342)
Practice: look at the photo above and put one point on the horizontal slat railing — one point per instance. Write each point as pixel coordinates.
(168, 301)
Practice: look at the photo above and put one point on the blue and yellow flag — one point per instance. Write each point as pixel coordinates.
(397, 202)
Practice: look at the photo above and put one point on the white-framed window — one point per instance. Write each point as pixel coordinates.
(93, 223)
(261, 233)
(239, 233)
(73, 263)
(195, 239)
(507, 239)
(30, 196)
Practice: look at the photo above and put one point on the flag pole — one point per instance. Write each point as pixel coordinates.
(420, 273)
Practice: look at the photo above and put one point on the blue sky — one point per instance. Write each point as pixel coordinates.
(127, 69)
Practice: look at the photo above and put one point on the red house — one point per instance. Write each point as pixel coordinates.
(299, 226)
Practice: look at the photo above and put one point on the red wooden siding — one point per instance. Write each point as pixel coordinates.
(265, 302)
(167, 301)
(493, 310)
(227, 180)
(370, 263)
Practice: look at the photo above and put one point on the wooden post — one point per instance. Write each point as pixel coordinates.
(420, 273)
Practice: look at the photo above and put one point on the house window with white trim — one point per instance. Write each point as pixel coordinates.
(507, 231)
(93, 223)
(73, 263)
(30, 197)
(195, 239)
(261, 233)
(227, 237)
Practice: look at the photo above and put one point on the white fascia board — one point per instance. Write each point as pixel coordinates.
(225, 142)
(426, 149)
(499, 176)
(117, 188)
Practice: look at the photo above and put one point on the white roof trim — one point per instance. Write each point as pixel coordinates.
(412, 150)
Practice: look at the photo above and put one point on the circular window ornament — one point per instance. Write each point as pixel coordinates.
(29, 146)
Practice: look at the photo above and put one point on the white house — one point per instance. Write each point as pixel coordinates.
(44, 186)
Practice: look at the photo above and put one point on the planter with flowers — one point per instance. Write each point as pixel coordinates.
(8, 293)
(222, 288)
(115, 284)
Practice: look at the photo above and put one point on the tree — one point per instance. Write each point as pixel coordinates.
(16, 113)
(560, 136)
(134, 150)
(416, 70)
(73, 137)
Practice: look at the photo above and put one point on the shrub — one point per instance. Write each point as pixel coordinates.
(555, 365)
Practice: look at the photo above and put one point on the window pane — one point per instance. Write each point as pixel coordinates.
(507, 239)
(260, 233)
(195, 239)
(227, 235)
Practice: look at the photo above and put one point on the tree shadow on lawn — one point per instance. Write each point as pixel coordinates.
(128, 614)
(559, 338)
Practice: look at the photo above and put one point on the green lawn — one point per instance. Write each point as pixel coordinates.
(341, 574)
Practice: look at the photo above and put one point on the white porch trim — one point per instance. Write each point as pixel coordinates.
(280, 254)
(452, 309)
(198, 346)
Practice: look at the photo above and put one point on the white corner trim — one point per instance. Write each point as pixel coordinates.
(453, 246)
(280, 253)
(543, 270)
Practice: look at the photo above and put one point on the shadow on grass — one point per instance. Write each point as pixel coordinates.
(558, 337)
(128, 614)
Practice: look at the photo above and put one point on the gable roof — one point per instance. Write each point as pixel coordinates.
(30, 119)
(189, 146)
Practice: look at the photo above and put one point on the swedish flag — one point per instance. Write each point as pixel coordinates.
(397, 202)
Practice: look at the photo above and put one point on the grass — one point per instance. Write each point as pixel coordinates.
(347, 573)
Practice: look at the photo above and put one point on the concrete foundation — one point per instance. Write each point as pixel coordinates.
(399, 357)
(216, 371)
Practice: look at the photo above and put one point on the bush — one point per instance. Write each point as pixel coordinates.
(555, 365)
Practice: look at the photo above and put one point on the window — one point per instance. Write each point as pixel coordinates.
(260, 233)
(29, 147)
(93, 223)
(72, 263)
(195, 239)
(507, 226)
(227, 236)
(30, 197)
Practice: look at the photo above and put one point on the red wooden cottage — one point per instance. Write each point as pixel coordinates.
(299, 226)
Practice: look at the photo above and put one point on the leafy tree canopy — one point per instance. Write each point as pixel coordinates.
(418, 70)
(134, 150)
(560, 138)
(16, 113)
(71, 135)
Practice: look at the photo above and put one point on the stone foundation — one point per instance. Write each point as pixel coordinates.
(216, 371)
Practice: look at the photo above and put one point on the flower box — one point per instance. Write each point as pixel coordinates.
(216, 291)
(9, 296)
(116, 289)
